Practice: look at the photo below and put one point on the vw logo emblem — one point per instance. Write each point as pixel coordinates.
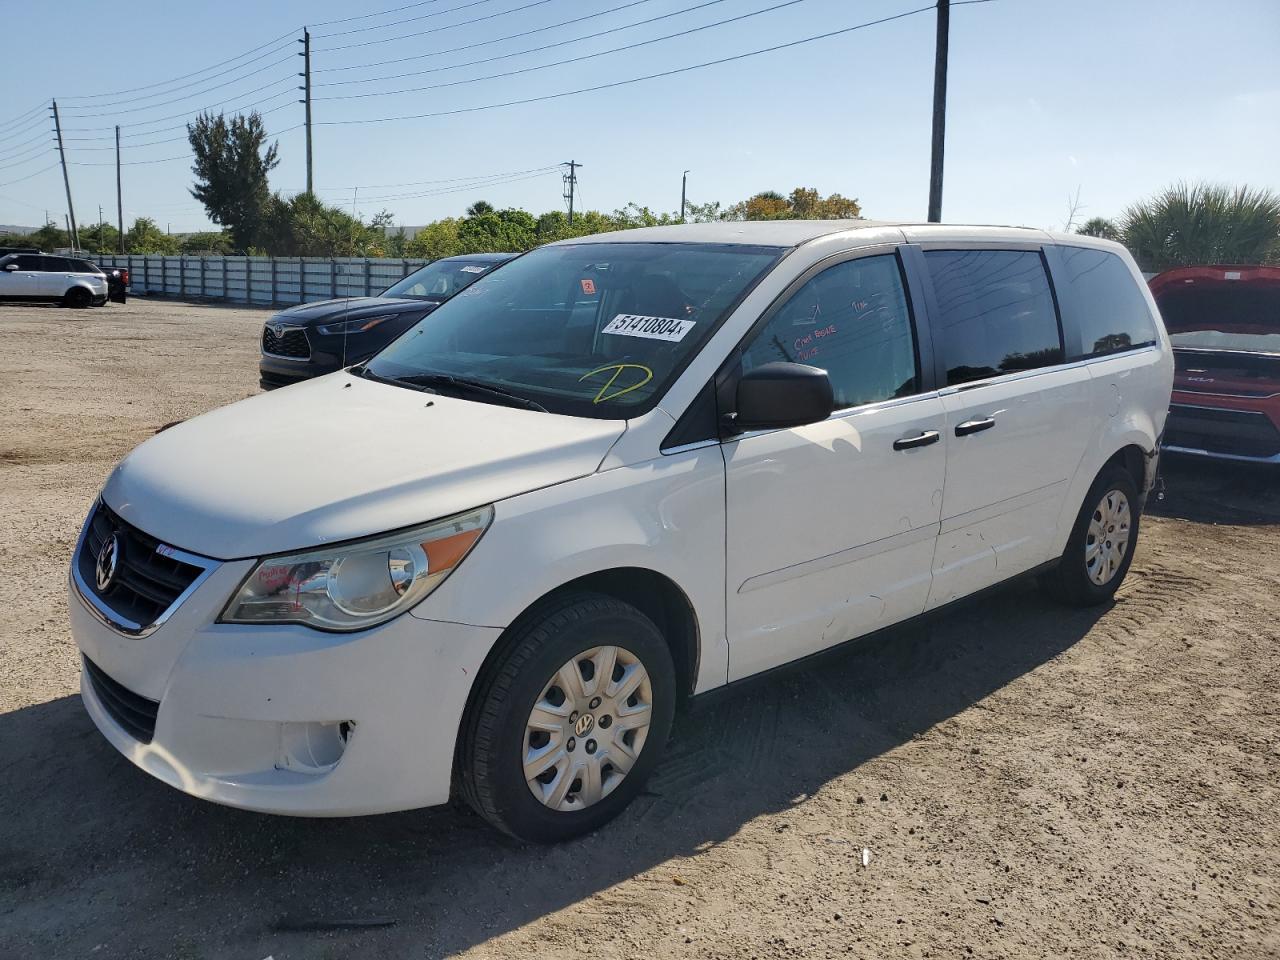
(104, 567)
(584, 724)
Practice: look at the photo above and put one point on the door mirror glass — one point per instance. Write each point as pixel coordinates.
(777, 395)
(11, 266)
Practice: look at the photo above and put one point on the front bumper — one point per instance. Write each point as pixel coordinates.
(231, 700)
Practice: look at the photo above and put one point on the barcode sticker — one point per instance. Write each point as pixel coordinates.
(474, 269)
(650, 328)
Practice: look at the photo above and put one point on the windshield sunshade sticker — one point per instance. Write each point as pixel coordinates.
(650, 328)
(474, 269)
(617, 368)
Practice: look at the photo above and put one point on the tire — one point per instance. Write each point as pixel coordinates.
(498, 734)
(77, 298)
(1085, 576)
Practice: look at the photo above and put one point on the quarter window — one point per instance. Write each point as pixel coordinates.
(996, 313)
(1108, 307)
(851, 320)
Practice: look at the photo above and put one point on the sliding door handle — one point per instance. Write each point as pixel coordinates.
(974, 426)
(921, 440)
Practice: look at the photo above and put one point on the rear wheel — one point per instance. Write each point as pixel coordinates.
(567, 727)
(1101, 545)
(77, 298)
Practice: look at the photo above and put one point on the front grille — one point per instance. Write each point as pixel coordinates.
(148, 579)
(292, 343)
(137, 715)
(1240, 433)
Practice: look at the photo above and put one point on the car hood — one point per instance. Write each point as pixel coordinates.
(338, 458)
(305, 314)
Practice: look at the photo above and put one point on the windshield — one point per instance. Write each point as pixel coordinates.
(591, 329)
(440, 280)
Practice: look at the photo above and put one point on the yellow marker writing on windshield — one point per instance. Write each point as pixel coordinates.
(617, 369)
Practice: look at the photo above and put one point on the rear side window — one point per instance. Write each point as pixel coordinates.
(996, 313)
(1107, 306)
(851, 320)
(55, 265)
(83, 266)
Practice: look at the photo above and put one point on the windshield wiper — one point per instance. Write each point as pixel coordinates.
(431, 381)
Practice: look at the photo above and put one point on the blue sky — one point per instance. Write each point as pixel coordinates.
(1110, 98)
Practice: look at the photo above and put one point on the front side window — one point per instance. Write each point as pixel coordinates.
(439, 280)
(1110, 310)
(851, 320)
(587, 329)
(996, 313)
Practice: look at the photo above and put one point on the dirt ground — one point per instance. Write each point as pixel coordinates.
(1028, 781)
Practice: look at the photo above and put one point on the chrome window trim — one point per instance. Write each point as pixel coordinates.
(109, 617)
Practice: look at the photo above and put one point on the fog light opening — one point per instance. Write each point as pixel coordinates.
(313, 748)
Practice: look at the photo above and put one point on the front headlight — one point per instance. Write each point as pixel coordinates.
(354, 326)
(356, 585)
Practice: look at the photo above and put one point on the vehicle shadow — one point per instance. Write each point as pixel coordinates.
(93, 851)
(1210, 491)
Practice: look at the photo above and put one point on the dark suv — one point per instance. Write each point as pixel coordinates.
(312, 339)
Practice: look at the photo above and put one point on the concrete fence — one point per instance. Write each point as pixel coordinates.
(262, 280)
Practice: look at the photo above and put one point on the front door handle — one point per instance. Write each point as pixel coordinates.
(974, 426)
(922, 440)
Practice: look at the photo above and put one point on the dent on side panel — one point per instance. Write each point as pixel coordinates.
(665, 515)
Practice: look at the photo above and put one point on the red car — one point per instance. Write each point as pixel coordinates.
(1224, 323)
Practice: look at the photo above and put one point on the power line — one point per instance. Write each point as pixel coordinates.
(17, 118)
(398, 23)
(188, 96)
(560, 63)
(27, 128)
(419, 183)
(162, 83)
(42, 135)
(463, 187)
(449, 26)
(52, 166)
(191, 96)
(520, 53)
(380, 13)
(651, 76)
(182, 126)
(485, 43)
(185, 156)
(29, 151)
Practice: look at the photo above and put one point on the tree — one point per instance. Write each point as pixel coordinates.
(436, 240)
(146, 237)
(215, 243)
(479, 208)
(494, 231)
(804, 203)
(1203, 223)
(231, 167)
(304, 226)
(1099, 227)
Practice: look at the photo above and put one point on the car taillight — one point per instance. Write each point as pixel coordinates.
(124, 275)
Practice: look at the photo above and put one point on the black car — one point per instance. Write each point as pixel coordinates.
(117, 282)
(312, 339)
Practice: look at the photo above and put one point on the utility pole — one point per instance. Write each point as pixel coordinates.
(939, 110)
(684, 182)
(306, 90)
(72, 234)
(99, 228)
(570, 184)
(119, 194)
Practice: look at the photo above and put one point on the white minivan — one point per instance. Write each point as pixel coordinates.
(611, 474)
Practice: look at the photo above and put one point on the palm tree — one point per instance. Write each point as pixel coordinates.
(1203, 223)
(479, 208)
(1099, 227)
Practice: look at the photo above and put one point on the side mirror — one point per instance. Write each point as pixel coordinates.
(779, 395)
(11, 266)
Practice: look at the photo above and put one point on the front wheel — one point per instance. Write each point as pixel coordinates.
(77, 298)
(1101, 545)
(566, 728)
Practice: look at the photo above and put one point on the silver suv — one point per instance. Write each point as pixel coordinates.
(43, 278)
